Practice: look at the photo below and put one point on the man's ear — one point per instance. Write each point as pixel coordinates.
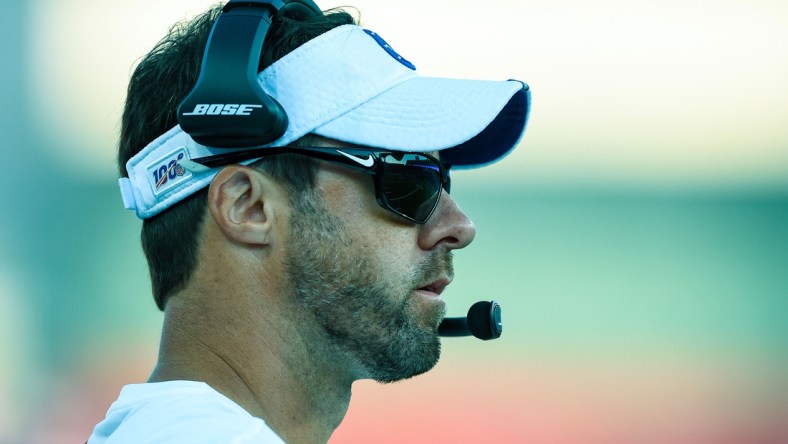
(244, 203)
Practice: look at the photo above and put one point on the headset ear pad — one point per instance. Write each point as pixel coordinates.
(301, 10)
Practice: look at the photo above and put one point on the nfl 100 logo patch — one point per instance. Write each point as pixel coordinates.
(167, 172)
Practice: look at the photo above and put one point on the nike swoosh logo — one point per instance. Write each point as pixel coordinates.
(368, 162)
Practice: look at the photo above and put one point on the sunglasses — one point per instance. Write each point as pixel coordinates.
(407, 184)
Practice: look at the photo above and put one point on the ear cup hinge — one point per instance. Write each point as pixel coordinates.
(273, 5)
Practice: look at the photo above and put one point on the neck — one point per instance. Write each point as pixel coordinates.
(283, 374)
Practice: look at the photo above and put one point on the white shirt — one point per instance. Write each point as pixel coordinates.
(179, 412)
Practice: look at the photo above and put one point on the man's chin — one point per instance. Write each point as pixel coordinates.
(416, 361)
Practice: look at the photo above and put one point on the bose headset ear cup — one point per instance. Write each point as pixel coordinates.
(301, 10)
(227, 107)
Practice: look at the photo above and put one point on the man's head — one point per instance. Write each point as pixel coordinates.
(344, 224)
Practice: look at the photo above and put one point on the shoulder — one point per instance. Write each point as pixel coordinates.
(179, 411)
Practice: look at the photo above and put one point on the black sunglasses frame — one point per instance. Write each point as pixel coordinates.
(368, 161)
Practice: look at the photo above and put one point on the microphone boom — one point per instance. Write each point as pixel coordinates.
(483, 321)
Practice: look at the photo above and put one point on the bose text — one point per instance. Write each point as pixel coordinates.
(224, 109)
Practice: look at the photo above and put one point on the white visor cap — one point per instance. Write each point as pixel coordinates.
(349, 85)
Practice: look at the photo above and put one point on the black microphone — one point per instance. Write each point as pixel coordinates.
(483, 321)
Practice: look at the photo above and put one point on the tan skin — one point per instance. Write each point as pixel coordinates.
(235, 327)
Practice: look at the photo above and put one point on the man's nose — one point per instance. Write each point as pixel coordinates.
(448, 225)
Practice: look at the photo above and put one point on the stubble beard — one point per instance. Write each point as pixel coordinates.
(376, 320)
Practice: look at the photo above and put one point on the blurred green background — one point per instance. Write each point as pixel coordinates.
(637, 239)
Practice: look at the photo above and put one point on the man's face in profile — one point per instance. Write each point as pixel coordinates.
(359, 271)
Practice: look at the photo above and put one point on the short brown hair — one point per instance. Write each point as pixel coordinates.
(159, 83)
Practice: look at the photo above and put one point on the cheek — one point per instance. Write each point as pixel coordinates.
(345, 195)
(388, 244)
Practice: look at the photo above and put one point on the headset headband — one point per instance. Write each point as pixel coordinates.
(227, 107)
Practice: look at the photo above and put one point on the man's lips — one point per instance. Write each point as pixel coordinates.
(435, 288)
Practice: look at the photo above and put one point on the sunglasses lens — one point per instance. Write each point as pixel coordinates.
(411, 185)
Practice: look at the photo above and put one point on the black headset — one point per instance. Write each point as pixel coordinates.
(227, 107)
